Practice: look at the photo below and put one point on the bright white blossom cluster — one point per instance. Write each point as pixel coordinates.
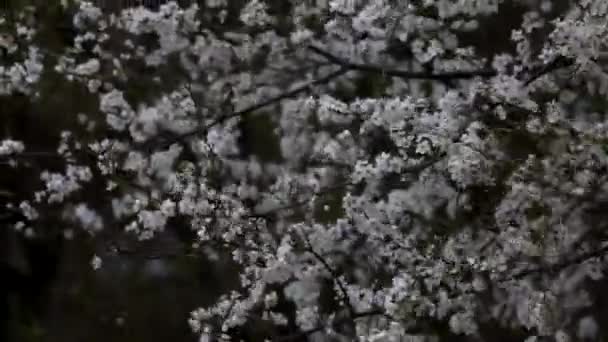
(20, 76)
(374, 172)
(10, 146)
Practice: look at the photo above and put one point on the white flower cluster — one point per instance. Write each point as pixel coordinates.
(9, 147)
(170, 23)
(254, 13)
(88, 218)
(59, 186)
(88, 68)
(21, 77)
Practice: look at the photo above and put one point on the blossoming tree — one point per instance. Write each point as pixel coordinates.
(375, 171)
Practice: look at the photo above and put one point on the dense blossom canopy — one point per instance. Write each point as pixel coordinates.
(413, 181)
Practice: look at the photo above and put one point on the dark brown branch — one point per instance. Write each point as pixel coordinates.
(115, 249)
(257, 106)
(553, 269)
(558, 63)
(349, 166)
(334, 275)
(344, 185)
(412, 75)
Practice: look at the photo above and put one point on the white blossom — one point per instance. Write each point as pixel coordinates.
(88, 68)
(88, 218)
(96, 262)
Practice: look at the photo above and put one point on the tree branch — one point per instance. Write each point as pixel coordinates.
(334, 275)
(257, 106)
(558, 63)
(421, 75)
(552, 269)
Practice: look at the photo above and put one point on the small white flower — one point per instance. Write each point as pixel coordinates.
(96, 262)
(88, 68)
